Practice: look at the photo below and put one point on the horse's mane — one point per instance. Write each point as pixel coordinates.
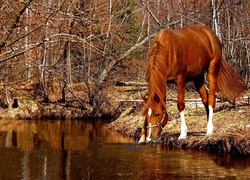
(156, 74)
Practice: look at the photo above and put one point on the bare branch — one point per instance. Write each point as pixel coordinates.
(106, 70)
(151, 14)
(22, 52)
(38, 27)
(16, 21)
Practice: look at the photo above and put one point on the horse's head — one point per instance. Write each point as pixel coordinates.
(156, 118)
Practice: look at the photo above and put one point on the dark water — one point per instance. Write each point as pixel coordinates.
(80, 150)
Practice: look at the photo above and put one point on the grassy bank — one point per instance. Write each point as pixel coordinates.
(231, 127)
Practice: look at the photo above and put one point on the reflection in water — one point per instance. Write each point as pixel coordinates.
(82, 150)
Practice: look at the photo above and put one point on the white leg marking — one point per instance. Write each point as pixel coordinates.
(183, 134)
(149, 133)
(142, 139)
(210, 126)
(149, 112)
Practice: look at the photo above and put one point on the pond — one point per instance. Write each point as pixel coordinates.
(74, 149)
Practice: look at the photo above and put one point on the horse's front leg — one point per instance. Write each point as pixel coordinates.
(143, 133)
(181, 106)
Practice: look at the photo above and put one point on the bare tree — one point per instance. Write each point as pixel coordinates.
(50, 45)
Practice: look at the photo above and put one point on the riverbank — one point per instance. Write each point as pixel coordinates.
(231, 128)
(231, 124)
(28, 102)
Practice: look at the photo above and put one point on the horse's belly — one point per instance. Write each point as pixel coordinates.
(189, 75)
(192, 74)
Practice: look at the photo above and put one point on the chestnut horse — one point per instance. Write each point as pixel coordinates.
(179, 56)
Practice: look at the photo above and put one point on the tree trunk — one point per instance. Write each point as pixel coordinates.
(215, 17)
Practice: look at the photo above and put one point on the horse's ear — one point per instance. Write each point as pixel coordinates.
(145, 99)
(156, 98)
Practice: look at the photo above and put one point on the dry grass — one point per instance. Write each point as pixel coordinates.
(231, 127)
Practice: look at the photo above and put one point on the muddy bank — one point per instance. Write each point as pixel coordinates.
(29, 103)
(31, 109)
(231, 128)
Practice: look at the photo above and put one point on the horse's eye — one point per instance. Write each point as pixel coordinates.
(157, 115)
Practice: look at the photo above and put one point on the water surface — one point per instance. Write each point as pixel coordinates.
(86, 150)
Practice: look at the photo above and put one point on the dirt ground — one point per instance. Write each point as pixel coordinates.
(231, 127)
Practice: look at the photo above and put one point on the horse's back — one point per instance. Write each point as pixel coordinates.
(195, 33)
(193, 48)
(192, 34)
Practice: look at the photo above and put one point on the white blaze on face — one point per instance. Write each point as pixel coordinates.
(149, 112)
(149, 131)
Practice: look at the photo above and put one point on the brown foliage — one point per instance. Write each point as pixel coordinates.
(102, 35)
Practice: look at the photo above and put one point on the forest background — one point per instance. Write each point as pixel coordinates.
(74, 52)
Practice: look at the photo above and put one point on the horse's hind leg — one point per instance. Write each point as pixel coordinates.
(212, 78)
(200, 87)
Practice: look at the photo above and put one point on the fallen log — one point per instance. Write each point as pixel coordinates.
(130, 83)
(198, 100)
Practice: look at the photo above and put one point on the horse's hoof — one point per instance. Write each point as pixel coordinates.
(208, 136)
(142, 140)
(142, 143)
(182, 137)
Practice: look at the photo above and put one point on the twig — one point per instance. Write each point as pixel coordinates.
(152, 15)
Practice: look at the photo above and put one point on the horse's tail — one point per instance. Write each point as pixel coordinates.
(229, 82)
